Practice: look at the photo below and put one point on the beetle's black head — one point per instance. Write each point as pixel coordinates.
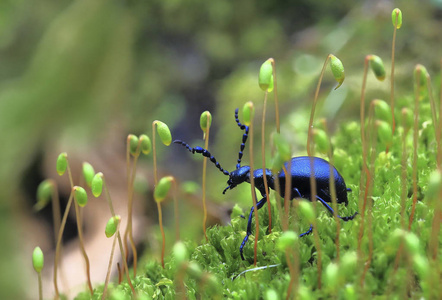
(238, 176)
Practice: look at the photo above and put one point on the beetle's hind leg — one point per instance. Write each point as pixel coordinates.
(332, 211)
(307, 232)
(249, 225)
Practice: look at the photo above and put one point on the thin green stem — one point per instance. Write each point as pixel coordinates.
(57, 248)
(333, 193)
(125, 264)
(130, 209)
(392, 79)
(415, 137)
(275, 93)
(160, 221)
(404, 181)
(252, 184)
(40, 286)
(176, 211)
(206, 145)
(263, 154)
(365, 174)
(83, 250)
(154, 153)
(312, 113)
(313, 195)
(106, 282)
(129, 201)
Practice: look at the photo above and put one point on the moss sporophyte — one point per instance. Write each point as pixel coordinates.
(389, 164)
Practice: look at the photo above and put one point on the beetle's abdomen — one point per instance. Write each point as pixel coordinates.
(300, 173)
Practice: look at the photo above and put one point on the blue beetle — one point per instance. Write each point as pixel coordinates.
(300, 172)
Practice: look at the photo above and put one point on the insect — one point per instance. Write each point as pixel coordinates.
(300, 172)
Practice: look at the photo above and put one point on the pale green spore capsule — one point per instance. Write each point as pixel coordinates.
(434, 185)
(180, 252)
(277, 163)
(332, 275)
(164, 133)
(133, 144)
(282, 147)
(382, 110)
(307, 211)
(377, 66)
(146, 144)
(349, 263)
(62, 163)
(80, 195)
(162, 188)
(286, 240)
(111, 226)
(421, 72)
(337, 69)
(271, 294)
(38, 259)
(248, 113)
(205, 120)
(321, 140)
(88, 173)
(412, 243)
(384, 132)
(396, 18)
(97, 184)
(421, 265)
(407, 118)
(44, 194)
(265, 76)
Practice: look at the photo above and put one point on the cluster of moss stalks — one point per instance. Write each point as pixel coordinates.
(391, 249)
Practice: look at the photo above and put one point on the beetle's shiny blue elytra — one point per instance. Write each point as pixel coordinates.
(300, 173)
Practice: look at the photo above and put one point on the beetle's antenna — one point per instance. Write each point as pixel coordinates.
(205, 153)
(244, 138)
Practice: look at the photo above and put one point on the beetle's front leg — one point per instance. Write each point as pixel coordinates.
(249, 224)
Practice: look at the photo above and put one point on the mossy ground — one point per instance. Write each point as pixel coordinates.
(213, 266)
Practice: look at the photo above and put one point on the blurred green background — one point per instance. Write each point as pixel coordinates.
(78, 75)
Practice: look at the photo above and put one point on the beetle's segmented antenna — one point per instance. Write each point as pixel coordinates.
(204, 152)
(244, 138)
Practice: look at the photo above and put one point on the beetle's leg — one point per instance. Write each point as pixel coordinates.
(311, 226)
(331, 210)
(307, 232)
(249, 224)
